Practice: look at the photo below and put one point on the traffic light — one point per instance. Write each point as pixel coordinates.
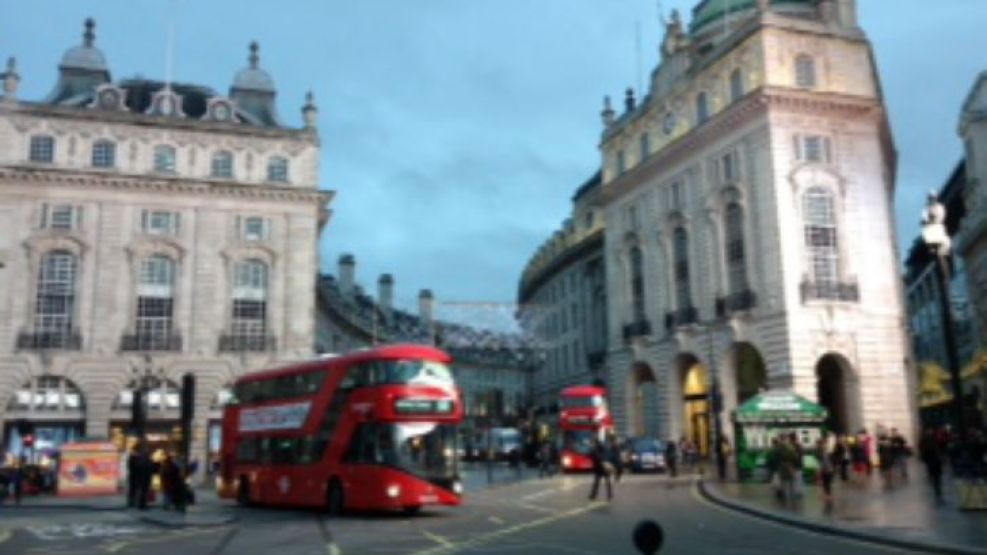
(137, 414)
(188, 397)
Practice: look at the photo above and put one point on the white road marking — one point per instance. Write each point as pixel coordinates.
(495, 520)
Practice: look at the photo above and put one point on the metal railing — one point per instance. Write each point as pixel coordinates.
(70, 340)
(831, 291)
(257, 343)
(736, 302)
(637, 329)
(170, 341)
(681, 317)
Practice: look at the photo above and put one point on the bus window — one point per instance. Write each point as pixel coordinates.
(425, 372)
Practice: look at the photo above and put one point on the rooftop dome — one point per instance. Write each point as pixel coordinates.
(253, 78)
(85, 56)
(711, 11)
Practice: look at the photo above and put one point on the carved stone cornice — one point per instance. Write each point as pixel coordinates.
(163, 184)
(755, 105)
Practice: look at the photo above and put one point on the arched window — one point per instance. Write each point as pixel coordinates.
(55, 303)
(819, 218)
(42, 149)
(736, 85)
(702, 107)
(155, 304)
(164, 159)
(277, 169)
(637, 283)
(249, 320)
(805, 71)
(736, 255)
(222, 164)
(48, 393)
(104, 154)
(683, 291)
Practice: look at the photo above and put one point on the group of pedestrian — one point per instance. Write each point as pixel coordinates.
(548, 459)
(141, 469)
(785, 465)
(608, 462)
(12, 479)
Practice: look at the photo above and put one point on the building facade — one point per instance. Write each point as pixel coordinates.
(492, 369)
(924, 298)
(750, 236)
(563, 298)
(149, 230)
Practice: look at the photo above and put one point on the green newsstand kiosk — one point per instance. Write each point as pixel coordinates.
(771, 414)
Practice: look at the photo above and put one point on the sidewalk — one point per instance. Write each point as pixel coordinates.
(209, 509)
(906, 514)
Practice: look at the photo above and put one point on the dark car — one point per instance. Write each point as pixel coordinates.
(645, 454)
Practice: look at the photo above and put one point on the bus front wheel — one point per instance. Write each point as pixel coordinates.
(412, 510)
(243, 493)
(335, 498)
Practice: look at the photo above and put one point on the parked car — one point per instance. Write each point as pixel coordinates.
(646, 454)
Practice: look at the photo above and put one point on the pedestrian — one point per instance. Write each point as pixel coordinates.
(858, 458)
(798, 484)
(172, 484)
(885, 459)
(602, 469)
(615, 457)
(787, 466)
(725, 452)
(544, 462)
(671, 458)
(931, 455)
(870, 449)
(133, 476)
(145, 471)
(900, 451)
(841, 457)
(827, 468)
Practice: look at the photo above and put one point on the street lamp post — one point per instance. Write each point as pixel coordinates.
(144, 377)
(936, 239)
(716, 403)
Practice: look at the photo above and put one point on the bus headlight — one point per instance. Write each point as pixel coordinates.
(457, 487)
(393, 491)
(566, 461)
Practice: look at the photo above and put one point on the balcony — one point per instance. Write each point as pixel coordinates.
(69, 340)
(170, 341)
(253, 343)
(735, 302)
(681, 317)
(637, 329)
(830, 291)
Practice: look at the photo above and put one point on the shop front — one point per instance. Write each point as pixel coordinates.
(767, 416)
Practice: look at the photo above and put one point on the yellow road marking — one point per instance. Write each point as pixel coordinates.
(698, 496)
(496, 534)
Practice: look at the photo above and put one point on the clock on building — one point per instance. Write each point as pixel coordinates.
(109, 99)
(221, 111)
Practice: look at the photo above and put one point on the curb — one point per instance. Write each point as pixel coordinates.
(169, 523)
(825, 529)
(67, 506)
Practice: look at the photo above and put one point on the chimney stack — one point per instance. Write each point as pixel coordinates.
(347, 274)
(385, 293)
(426, 304)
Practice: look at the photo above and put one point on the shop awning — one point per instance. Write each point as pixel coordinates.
(780, 407)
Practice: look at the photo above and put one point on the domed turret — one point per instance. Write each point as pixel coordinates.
(253, 92)
(82, 70)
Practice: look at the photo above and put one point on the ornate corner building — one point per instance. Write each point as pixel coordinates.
(750, 238)
(149, 229)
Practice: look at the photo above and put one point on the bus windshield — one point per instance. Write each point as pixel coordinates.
(423, 448)
(580, 441)
(582, 402)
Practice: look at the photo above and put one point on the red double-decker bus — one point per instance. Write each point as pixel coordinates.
(584, 417)
(372, 430)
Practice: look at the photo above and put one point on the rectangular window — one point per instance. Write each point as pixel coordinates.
(42, 149)
(60, 217)
(159, 222)
(104, 154)
(164, 159)
(736, 85)
(730, 168)
(254, 228)
(676, 195)
(813, 148)
(645, 146)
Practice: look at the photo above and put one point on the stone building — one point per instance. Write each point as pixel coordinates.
(147, 230)
(492, 368)
(563, 298)
(750, 231)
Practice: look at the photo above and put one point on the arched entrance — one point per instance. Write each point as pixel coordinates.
(644, 421)
(836, 390)
(694, 378)
(51, 409)
(751, 374)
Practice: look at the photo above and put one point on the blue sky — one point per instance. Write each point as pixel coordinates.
(455, 131)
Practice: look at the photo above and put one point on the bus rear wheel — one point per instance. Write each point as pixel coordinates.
(243, 493)
(335, 498)
(411, 510)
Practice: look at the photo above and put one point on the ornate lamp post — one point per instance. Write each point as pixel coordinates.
(145, 376)
(936, 239)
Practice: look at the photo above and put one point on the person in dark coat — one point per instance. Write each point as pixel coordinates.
(671, 457)
(615, 457)
(133, 477)
(930, 454)
(145, 469)
(172, 484)
(600, 464)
